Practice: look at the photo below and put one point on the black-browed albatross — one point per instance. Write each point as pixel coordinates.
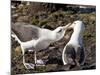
(73, 52)
(33, 38)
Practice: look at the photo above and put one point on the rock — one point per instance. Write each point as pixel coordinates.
(13, 7)
(51, 67)
(15, 15)
(23, 19)
(18, 49)
(20, 6)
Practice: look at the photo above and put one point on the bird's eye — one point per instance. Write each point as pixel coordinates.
(60, 31)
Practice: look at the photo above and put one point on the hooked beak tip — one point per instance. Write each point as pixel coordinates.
(65, 27)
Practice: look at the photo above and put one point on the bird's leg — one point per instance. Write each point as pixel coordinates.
(77, 64)
(27, 65)
(24, 59)
(35, 59)
(39, 62)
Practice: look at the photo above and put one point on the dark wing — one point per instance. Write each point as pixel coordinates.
(25, 32)
(70, 54)
(80, 55)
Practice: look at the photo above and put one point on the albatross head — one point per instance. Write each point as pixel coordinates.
(60, 31)
(77, 25)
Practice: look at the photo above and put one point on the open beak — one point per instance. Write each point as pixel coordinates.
(66, 27)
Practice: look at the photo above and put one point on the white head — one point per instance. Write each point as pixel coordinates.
(77, 26)
(60, 31)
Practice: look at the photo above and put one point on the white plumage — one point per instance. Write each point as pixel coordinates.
(73, 52)
(34, 38)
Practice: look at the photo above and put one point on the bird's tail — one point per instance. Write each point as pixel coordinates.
(16, 38)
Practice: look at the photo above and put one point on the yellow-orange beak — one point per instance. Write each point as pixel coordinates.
(66, 27)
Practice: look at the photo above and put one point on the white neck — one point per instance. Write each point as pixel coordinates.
(76, 37)
(48, 35)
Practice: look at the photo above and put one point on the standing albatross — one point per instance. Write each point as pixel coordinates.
(73, 52)
(34, 38)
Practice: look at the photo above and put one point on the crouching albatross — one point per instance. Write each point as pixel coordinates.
(33, 38)
(73, 52)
